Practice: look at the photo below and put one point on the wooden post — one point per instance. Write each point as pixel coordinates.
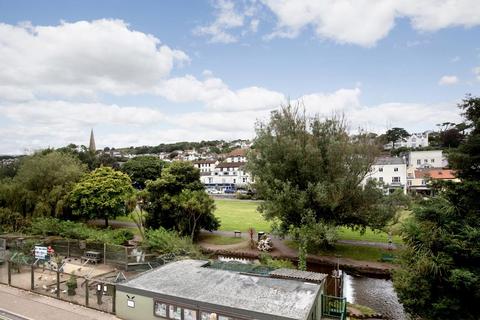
(104, 253)
(32, 278)
(126, 258)
(114, 294)
(58, 284)
(9, 267)
(86, 292)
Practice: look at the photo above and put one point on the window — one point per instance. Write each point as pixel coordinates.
(419, 161)
(160, 309)
(380, 169)
(189, 314)
(432, 160)
(395, 169)
(208, 316)
(396, 179)
(244, 179)
(380, 179)
(426, 160)
(174, 312)
(409, 182)
(224, 318)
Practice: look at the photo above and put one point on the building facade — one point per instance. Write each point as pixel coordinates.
(390, 174)
(415, 140)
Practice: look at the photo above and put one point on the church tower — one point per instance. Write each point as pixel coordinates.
(92, 146)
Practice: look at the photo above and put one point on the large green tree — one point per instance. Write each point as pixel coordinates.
(440, 270)
(395, 134)
(177, 201)
(101, 194)
(42, 184)
(309, 170)
(140, 169)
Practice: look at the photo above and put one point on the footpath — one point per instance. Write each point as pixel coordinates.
(31, 306)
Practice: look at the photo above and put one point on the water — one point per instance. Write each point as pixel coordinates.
(377, 294)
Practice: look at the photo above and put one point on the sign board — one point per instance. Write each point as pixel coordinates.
(41, 252)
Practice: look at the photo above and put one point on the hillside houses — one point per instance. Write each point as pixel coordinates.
(415, 140)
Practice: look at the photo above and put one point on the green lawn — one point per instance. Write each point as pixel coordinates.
(369, 235)
(240, 215)
(220, 240)
(361, 253)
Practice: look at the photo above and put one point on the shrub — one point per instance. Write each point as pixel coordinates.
(162, 241)
(267, 260)
(11, 221)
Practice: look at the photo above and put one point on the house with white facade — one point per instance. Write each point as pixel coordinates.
(426, 159)
(390, 173)
(205, 166)
(415, 140)
(229, 173)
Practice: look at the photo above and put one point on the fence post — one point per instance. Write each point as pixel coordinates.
(9, 270)
(86, 292)
(114, 292)
(126, 258)
(58, 284)
(32, 278)
(104, 253)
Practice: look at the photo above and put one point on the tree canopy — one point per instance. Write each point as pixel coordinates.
(101, 194)
(440, 274)
(177, 201)
(41, 184)
(308, 169)
(141, 169)
(395, 134)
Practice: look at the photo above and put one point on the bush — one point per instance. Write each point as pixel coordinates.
(11, 221)
(162, 241)
(267, 260)
(317, 236)
(76, 230)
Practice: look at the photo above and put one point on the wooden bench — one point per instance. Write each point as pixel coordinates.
(237, 232)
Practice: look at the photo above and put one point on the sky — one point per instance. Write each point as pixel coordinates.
(147, 72)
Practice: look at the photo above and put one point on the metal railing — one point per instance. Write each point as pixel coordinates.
(334, 307)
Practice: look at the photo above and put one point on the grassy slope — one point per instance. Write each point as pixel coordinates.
(240, 215)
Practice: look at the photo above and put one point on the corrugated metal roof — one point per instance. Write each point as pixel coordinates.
(298, 275)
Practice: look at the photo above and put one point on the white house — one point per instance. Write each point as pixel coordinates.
(229, 173)
(415, 140)
(426, 159)
(205, 165)
(390, 173)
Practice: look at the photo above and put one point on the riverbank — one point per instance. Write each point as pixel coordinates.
(315, 262)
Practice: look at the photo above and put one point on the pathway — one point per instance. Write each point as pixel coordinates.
(18, 304)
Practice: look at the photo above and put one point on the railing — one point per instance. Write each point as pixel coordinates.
(334, 307)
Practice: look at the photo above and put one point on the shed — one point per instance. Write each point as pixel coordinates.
(186, 290)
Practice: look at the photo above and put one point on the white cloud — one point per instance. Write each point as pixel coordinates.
(364, 22)
(83, 58)
(476, 71)
(448, 80)
(228, 17)
(455, 59)
(217, 96)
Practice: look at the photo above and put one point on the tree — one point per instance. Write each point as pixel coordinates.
(440, 270)
(177, 201)
(395, 134)
(42, 184)
(141, 169)
(101, 194)
(307, 169)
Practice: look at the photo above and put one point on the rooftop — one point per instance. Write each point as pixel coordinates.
(188, 279)
(231, 164)
(237, 153)
(382, 161)
(435, 173)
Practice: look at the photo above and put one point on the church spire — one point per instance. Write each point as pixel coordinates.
(92, 146)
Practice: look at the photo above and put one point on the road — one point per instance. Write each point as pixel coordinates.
(16, 304)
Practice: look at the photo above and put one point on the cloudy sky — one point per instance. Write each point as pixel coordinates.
(147, 72)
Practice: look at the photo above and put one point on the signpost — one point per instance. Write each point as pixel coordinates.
(41, 253)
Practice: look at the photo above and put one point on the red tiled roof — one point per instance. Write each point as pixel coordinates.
(237, 153)
(230, 164)
(433, 173)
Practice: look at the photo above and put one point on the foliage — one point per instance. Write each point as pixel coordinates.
(101, 194)
(141, 169)
(177, 201)
(317, 235)
(267, 260)
(162, 241)
(440, 275)
(44, 226)
(11, 221)
(309, 167)
(395, 134)
(41, 185)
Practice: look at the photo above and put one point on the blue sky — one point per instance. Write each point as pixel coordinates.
(148, 72)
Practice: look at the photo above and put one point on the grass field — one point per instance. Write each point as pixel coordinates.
(240, 215)
(361, 253)
(220, 240)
